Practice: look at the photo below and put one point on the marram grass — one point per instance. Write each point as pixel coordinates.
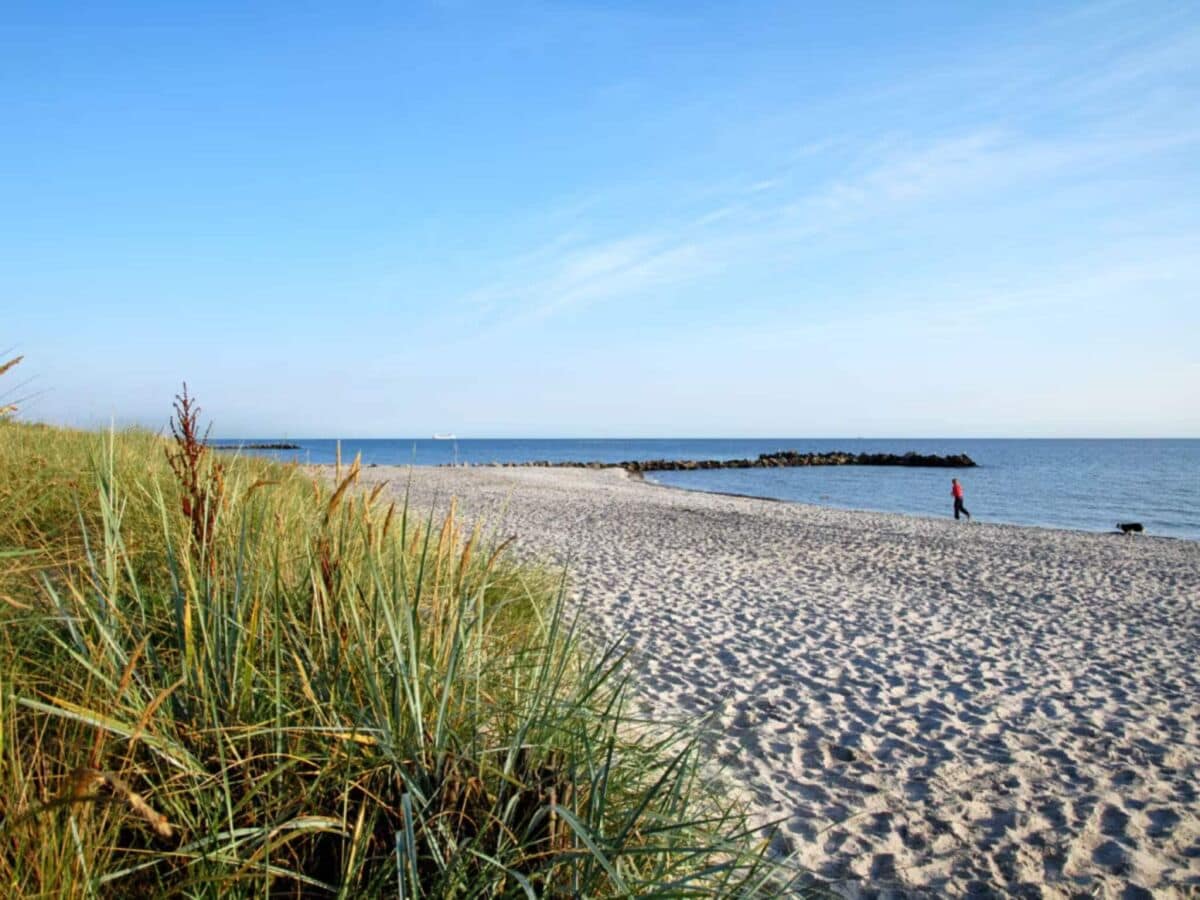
(254, 684)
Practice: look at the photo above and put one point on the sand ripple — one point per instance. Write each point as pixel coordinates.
(923, 706)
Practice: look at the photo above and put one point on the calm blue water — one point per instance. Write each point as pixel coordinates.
(1082, 484)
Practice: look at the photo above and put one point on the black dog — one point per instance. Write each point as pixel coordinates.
(1130, 527)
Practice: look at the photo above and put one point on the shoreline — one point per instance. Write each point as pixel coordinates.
(640, 477)
(992, 523)
(923, 705)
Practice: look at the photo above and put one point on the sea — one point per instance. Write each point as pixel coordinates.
(1086, 485)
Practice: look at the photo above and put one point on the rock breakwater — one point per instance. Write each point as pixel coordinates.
(781, 460)
(274, 445)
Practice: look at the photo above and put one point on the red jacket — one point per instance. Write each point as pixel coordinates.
(956, 491)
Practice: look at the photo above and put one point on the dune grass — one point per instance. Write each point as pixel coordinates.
(220, 676)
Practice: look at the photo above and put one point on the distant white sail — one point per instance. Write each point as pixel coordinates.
(444, 436)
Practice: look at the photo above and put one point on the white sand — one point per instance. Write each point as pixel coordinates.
(962, 709)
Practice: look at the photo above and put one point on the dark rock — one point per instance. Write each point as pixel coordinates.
(781, 459)
(267, 446)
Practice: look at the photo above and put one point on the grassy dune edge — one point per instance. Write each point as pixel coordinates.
(218, 676)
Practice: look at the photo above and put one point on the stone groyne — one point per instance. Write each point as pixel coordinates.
(279, 445)
(781, 460)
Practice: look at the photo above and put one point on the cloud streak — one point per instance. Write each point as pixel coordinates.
(1015, 147)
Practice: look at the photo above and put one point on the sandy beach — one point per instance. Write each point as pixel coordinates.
(924, 706)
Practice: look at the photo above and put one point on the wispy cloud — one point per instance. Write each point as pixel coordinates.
(995, 146)
(569, 271)
(1159, 271)
(984, 160)
(586, 272)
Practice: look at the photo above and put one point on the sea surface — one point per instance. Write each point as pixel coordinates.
(1087, 485)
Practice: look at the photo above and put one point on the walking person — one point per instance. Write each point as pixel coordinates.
(956, 491)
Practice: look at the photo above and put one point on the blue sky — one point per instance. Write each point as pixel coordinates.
(618, 219)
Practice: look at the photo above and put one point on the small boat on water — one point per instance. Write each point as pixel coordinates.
(444, 436)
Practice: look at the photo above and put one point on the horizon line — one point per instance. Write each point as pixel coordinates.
(286, 437)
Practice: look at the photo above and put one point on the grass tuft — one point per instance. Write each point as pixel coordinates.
(7, 409)
(221, 677)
